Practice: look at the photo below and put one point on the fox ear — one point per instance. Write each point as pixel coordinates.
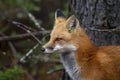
(58, 13)
(72, 23)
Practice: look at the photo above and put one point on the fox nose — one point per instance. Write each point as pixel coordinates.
(43, 49)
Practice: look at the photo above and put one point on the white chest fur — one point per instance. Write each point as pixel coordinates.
(70, 65)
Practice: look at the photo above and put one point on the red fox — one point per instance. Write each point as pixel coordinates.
(93, 62)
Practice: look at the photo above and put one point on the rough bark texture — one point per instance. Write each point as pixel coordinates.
(97, 15)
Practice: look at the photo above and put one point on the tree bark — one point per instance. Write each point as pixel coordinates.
(98, 14)
(101, 21)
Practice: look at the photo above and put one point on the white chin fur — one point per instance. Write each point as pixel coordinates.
(48, 51)
(61, 49)
(64, 48)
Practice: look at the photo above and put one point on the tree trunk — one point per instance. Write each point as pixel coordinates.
(98, 18)
(101, 21)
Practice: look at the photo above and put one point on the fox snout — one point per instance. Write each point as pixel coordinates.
(42, 49)
(47, 49)
(59, 49)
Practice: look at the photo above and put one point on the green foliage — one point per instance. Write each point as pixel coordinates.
(56, 56)
(28, 4)
(12, 74)
(65, 10)
(13, 9)
(2, 30)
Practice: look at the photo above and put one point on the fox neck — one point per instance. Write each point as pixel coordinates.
(85, 51)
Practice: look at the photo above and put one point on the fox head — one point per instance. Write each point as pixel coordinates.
(66, 36)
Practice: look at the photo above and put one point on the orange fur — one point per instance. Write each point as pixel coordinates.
(95, 63)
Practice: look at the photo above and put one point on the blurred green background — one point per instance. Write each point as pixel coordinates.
(17, 19)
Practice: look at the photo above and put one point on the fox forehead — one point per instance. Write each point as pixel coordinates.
(60, 33)
(60, 28)
(60, 20)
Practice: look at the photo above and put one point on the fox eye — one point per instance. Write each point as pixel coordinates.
(58, 39)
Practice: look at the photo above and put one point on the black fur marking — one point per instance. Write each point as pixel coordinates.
(59, 14)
